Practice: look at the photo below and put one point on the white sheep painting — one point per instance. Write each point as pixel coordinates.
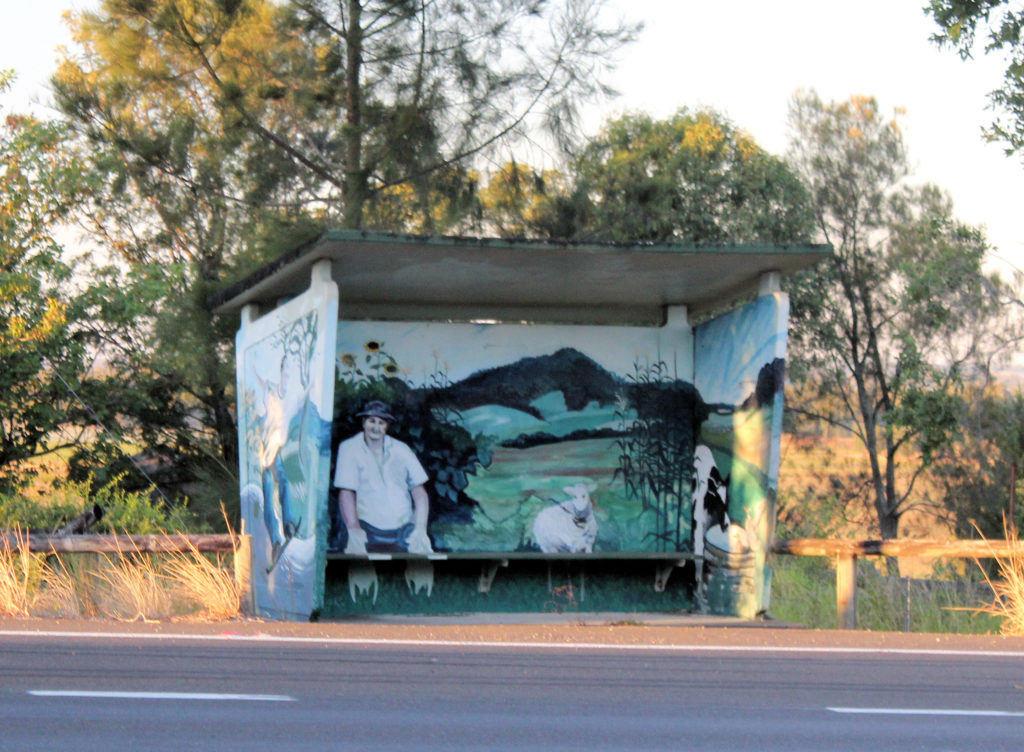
(568, 526)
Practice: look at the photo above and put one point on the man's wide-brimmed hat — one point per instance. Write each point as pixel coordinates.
(377, 409)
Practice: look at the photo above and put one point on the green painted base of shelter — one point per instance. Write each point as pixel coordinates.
(521, 587)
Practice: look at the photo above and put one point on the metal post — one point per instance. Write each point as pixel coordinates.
(906, 609)
(1011, 523)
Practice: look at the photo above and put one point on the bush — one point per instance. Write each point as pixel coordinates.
(123, 511)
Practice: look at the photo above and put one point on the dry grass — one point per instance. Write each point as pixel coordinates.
(1008, 589)
(34, 583)
(204, 581)
(58, 591)
(16, 577)
(128, 585)
(130, 588)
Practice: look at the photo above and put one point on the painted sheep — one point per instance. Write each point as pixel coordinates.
(568, 526)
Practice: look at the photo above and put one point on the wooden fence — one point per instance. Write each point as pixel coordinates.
(844, 551)
(847, 551)
(144, 544)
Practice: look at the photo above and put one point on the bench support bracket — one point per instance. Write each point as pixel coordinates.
(487, 574)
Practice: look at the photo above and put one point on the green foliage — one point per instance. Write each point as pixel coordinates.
(998, 23)
(123, 511)
(46, 325)
(694, 176)
(974, 473)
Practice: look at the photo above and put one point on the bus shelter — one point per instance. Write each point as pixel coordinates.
(580, 425)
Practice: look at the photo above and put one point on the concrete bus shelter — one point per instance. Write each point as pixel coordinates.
(594, 426)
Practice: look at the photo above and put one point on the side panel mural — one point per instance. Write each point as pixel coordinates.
(530, 438)
(285, 374)
(739, 371)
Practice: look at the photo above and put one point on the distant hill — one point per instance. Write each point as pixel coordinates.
(516, 385)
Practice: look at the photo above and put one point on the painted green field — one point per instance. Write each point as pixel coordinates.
(521, 482)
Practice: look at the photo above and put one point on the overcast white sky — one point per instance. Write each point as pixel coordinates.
(745, 58)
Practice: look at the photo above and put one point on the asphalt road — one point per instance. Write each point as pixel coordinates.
(259, 689)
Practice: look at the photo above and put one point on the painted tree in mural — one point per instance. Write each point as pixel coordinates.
(891, 327)
(661, 417)
(692, 177)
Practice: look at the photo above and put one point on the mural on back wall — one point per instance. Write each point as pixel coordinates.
(529, 438)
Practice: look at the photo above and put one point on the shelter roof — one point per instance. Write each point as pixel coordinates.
(409, 277)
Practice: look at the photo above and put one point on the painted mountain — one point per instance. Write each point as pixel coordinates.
(562, 396)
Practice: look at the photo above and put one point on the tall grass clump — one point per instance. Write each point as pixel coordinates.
(1007, 602)
(17, 577)
(32, 582)
(130, 587)
(126, 585)
(205, 581)
(804, 591)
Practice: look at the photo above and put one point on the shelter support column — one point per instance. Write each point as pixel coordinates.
(769, 282)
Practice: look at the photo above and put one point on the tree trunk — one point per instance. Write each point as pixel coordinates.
(355, 179)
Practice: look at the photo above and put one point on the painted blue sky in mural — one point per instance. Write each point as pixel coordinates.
(740, 344)
(422, 350)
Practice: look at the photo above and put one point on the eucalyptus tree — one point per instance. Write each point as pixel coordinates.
(902, 314)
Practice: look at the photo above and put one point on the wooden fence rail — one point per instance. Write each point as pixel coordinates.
(113, 544)
(847, 551)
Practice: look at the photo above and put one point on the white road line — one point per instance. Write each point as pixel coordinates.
(382, 642)
(158, 695)
(929, 711)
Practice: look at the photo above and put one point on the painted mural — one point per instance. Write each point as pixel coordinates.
(504, 438)
(285, 380)
(739, 372)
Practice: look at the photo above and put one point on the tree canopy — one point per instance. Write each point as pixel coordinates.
(218, 134)
(693, 176)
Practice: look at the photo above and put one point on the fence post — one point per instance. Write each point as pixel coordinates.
(846, 590)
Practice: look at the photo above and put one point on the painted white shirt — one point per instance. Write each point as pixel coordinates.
(382, 488)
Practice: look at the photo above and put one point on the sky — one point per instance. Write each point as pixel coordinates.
(745, 59)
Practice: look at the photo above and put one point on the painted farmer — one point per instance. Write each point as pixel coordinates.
(384, 504)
